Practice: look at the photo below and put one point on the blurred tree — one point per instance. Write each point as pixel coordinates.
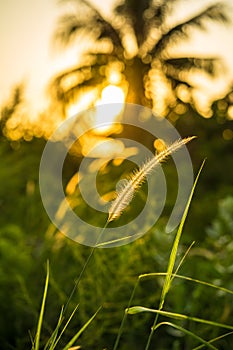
(10, 108)
(131, 48)
(223, 110)
(15, 122)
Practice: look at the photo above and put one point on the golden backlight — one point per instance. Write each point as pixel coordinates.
(101, 122)
(110, 94)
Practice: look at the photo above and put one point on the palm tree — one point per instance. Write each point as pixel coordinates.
(134, 44)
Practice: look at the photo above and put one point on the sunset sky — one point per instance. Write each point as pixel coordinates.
(27, 54)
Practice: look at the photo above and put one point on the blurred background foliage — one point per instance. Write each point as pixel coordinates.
(131, 47)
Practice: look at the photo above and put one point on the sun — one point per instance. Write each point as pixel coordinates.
(111, 94)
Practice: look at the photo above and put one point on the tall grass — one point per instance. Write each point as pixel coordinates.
(170, 275)
(123, 199)
(136, 179)
(126, 193)
(58, 332)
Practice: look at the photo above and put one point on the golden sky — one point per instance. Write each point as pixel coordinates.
(26, 29)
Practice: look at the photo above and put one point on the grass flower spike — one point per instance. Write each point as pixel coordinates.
(127, 190)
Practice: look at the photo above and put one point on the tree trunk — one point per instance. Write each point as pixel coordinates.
(135, 72)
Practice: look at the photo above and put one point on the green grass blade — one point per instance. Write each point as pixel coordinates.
(77, 335)
(214, 340)
(114, 241)
(32, 340)
(187, 332)
(85, 266)
(40, 321)
(52, 339)
(207, 284)
(124, 317)
(182, 260)
(138, 309)
(64, 328)
(173, 254)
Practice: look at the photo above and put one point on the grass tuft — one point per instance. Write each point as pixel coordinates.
(57, 333)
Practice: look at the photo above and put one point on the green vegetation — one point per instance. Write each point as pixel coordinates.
(185, 275)
(28, 240)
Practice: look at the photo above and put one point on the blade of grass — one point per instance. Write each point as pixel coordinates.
(32, 340)
(40, 321)
(132, 296)
(85, 267)
(77, 335)
(173, 255)
(125, 315)
(187, 332)
(138, 309)
(215, 339)
(157, 274)
(114, 241)
(64, 328)
(52, 339)
(182, 260)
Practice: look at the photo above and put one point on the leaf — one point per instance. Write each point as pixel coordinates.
(40, 321)
(214, 12)
(174, 250)
(139, 309)
(187, 332)
(77, 335)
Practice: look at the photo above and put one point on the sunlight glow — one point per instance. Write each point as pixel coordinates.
(96, 143)
(83, 103)
(110, 94)
(106, 147)
(159, 145)
(230, 113)
(114, 77)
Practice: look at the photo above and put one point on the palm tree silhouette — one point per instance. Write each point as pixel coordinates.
(134, 43)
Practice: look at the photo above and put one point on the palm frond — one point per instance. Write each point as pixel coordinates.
(215, 12)
(93, 21)
(66, 94)
(66, 86)
(178, 80)
(108, 32)
(154, 18)
(68, 27)
(208, 65)
(134, 13)
(161, 10)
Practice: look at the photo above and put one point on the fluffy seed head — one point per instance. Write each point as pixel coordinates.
(127, 190)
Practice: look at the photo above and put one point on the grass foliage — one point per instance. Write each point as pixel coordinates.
(191, 309)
